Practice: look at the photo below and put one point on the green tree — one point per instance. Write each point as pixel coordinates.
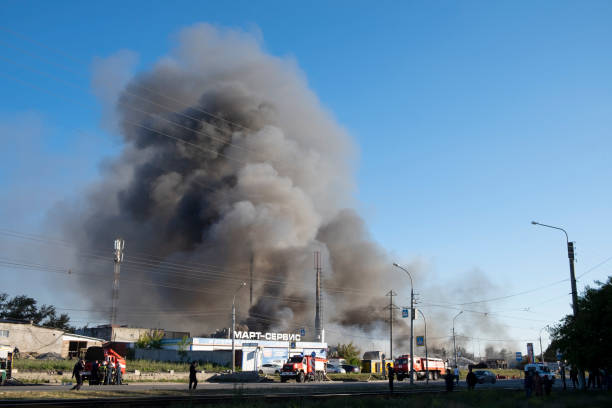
(25, 308)
(183, 344)
(585, 341)
(349, 352)
(150, 339)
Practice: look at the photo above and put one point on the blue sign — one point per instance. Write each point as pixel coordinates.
(302, 332)
(420, 340)
(292, 345)
(519, 356)
(313, 354)
(405, 313)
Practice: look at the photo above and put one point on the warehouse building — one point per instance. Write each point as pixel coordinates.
(31, 338)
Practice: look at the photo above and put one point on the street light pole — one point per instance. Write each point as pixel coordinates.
(541, 351)
(570, 255)
(411, 322)
(454, 342)
(242, 285)
(426, 356)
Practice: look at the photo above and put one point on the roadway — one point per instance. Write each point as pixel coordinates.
(265, 388)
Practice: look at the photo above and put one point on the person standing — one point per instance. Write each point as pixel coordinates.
(76, 372)
(94, 373)
(471, 379)
(449, 380)
(528, 383)
(574, 376)
(118, 378)
(391, 375)
(457, 374)
(193, 379)
(537, 384)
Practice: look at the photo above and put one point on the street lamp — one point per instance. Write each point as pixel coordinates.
(541, 352)
(426, 356)
(411, 322)
(454, 342)
(242, 285)
(570, 255)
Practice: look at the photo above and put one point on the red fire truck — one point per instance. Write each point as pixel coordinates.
(304, 368)
(101, 354)
(437, 367)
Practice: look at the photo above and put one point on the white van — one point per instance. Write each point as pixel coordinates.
(541, 369)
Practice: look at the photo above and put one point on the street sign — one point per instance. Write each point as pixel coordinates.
(292, 345)
(519, 356)
(405, 313)
(302, 332)
(420, 340)
(559, 355)
(313, 354)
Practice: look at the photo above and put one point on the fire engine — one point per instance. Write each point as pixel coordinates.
(437, 367)
(304, 368)
(101, 354)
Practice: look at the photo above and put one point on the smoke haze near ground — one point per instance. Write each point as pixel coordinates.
(229, 156)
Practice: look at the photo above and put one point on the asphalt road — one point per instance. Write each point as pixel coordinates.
(277, 388)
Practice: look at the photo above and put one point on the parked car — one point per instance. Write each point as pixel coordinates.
(484, 376)
(350, 368)
(270, 368)
(335, 369)
(542, 370)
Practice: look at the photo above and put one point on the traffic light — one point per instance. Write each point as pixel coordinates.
(570, 250)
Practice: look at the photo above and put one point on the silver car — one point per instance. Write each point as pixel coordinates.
(270, 368)
(335, 369)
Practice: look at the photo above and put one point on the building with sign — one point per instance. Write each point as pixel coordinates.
(252, 349)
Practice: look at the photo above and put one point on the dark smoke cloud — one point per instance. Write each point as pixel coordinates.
(228, 155)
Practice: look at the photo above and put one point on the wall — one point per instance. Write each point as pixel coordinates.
(220, 357)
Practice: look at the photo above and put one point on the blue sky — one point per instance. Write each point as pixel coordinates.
(472, 118)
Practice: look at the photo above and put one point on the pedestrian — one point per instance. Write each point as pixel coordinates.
(449, 379)
(391, 376)
(574, 376)
(94, 372)
(109, 372)
(457, 374)
(537, 384)
(547, 383)
(193, 379)
(528, 383)
(471, 379)
(76, 373)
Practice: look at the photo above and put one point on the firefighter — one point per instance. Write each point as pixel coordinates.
(94, 373)
(118, 379)
(76, 372)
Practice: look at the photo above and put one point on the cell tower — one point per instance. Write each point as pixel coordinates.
(119, 246)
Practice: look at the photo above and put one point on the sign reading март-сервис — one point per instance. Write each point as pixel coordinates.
(244, 335)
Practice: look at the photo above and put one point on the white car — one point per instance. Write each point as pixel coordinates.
(270, 368)
(542, 370)
(335, 369)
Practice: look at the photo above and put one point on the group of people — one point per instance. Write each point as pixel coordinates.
(536, 384)
(108, 372)
(598, 378)
(452, 378)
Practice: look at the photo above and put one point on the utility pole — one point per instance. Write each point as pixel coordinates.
(243, 284)
(251, 274)
(411, 322)
(119, 247)
(454, 342)
(391, 308)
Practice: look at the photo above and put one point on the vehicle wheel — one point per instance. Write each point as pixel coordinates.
(283, 379)
(277, 372)
(400, 378)
(260, 371)
(300, 377)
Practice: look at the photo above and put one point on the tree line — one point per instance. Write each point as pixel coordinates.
(23, 307)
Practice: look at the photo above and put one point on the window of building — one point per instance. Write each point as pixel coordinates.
(4, 333)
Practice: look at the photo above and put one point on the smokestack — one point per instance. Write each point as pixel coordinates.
(318, 324)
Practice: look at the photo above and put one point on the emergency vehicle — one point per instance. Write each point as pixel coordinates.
(436, 367)
(101, 354)
(6, 363)
(304, 368)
